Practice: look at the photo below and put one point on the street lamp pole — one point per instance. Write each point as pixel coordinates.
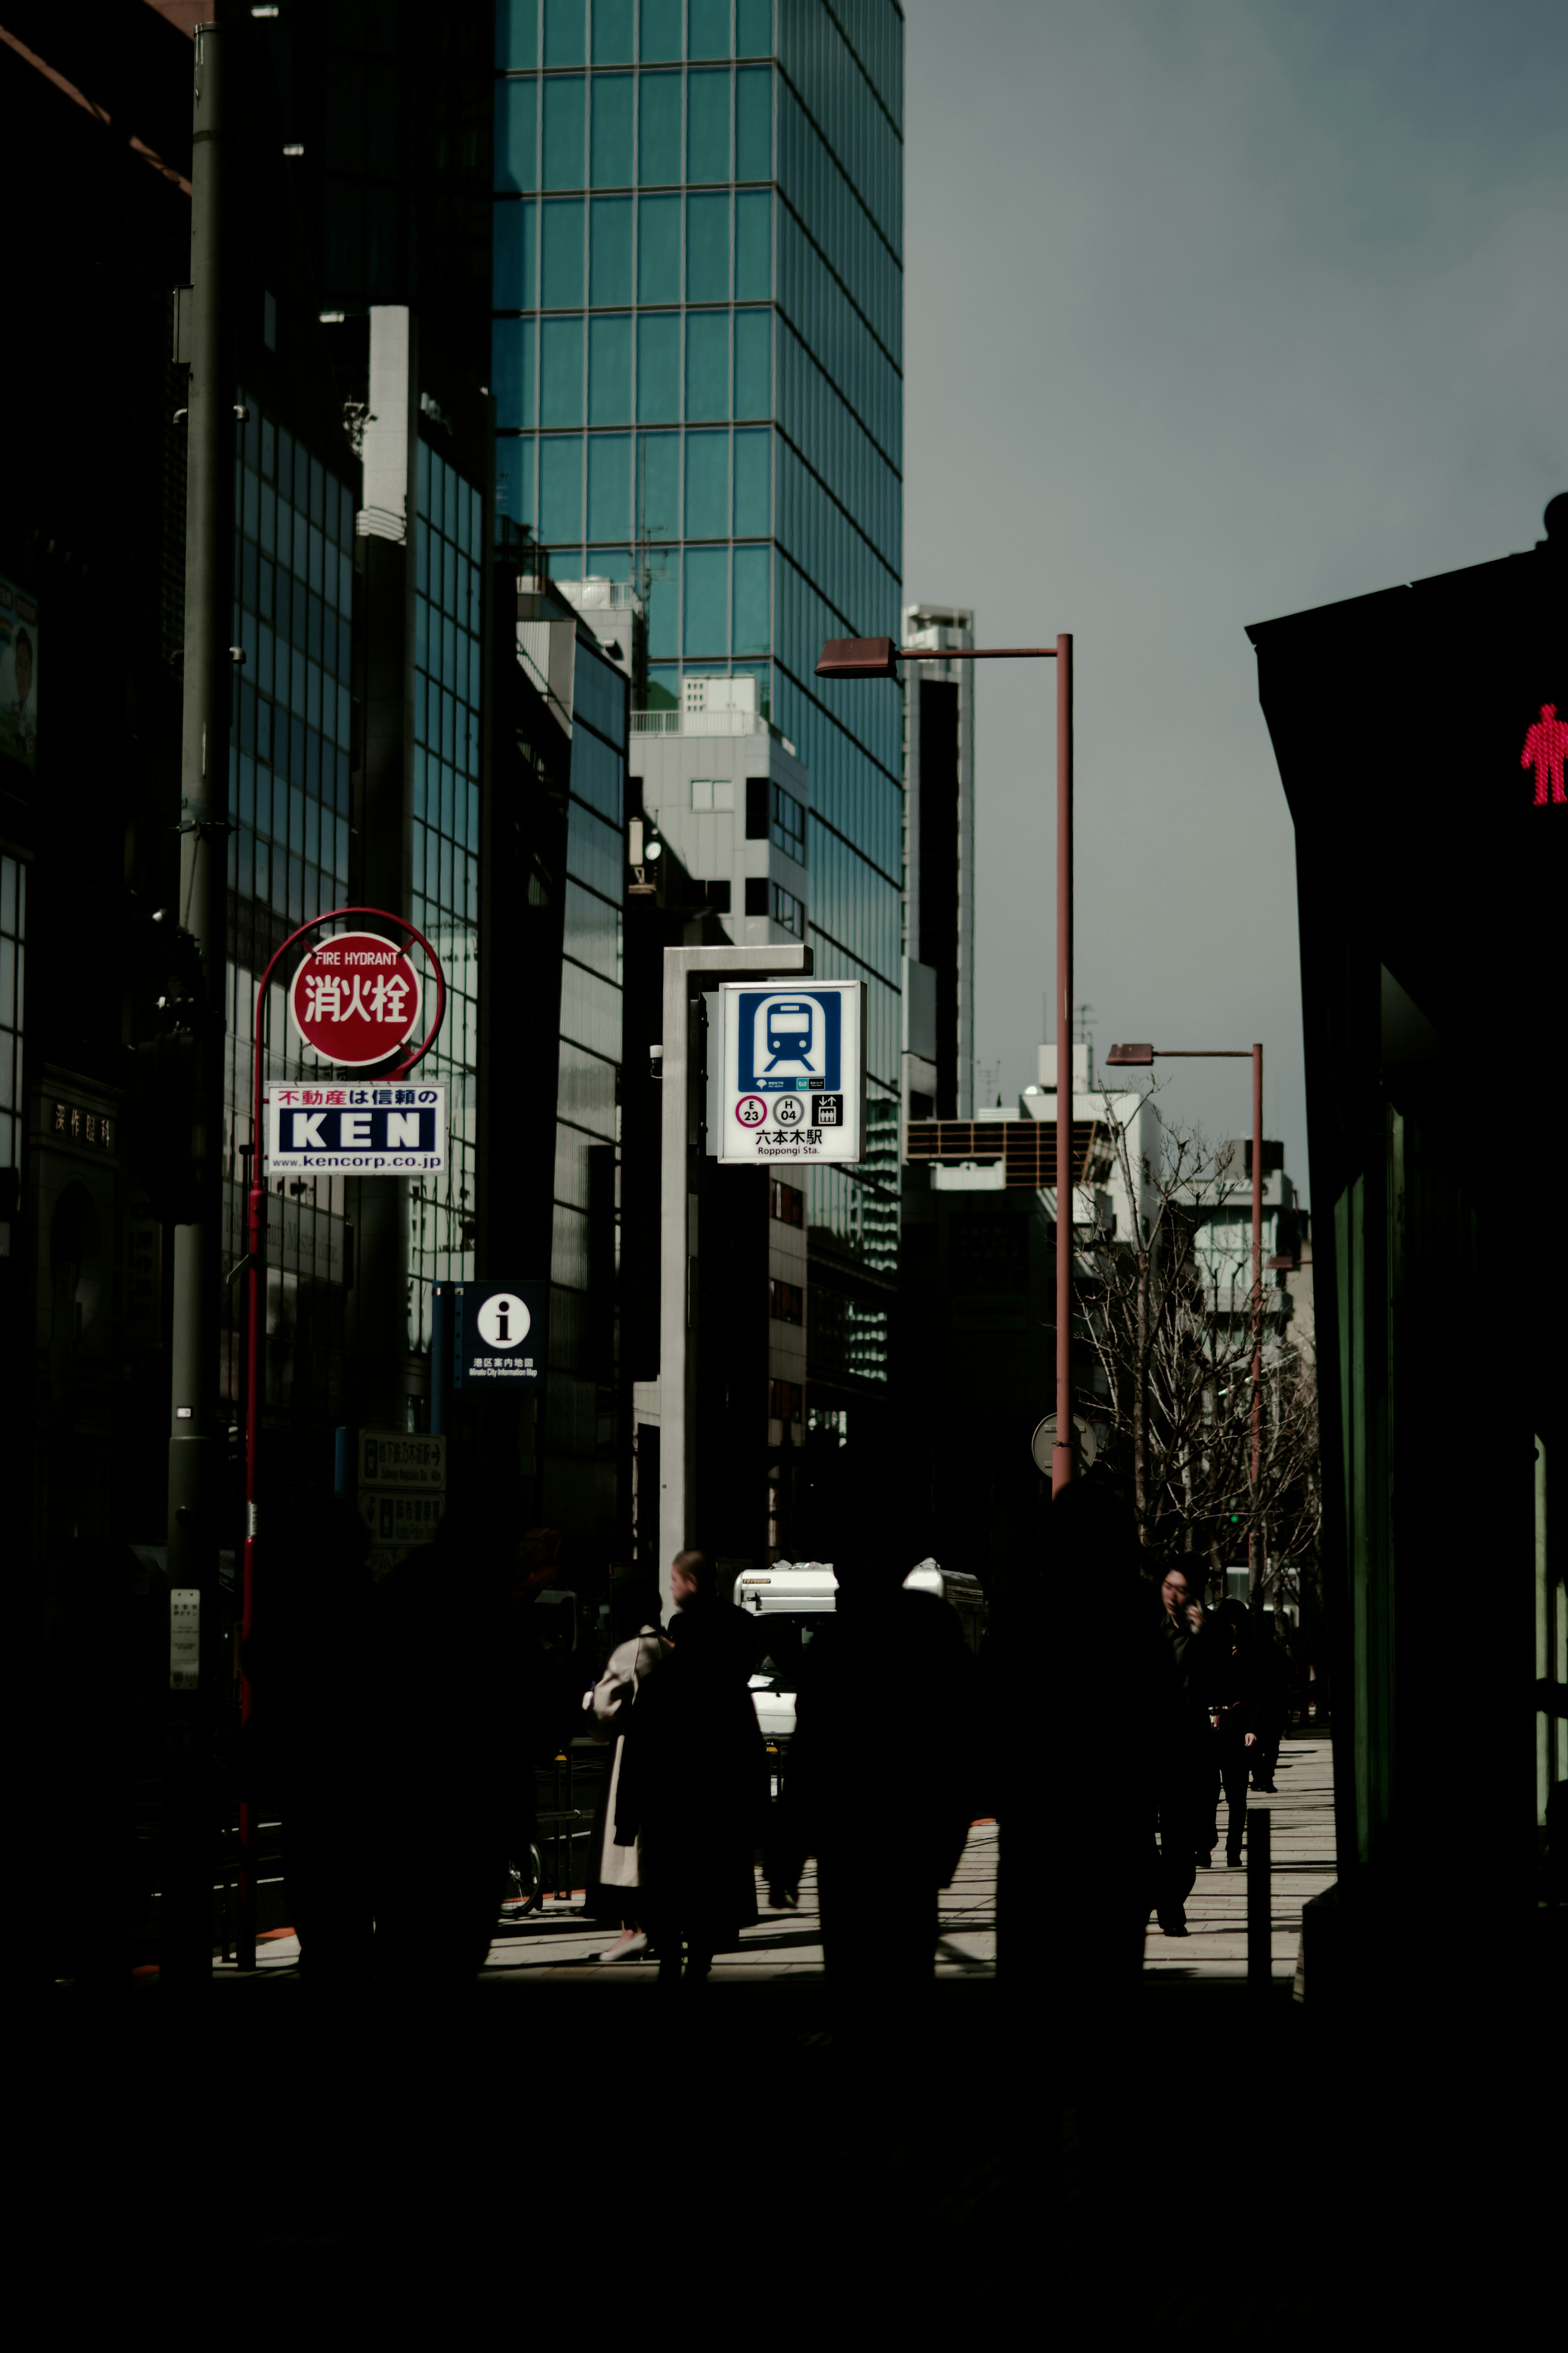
(860, 658)
(1142, 1057)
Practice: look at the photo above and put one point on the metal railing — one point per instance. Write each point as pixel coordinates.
(707, 723)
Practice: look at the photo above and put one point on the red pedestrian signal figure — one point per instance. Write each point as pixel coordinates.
(1545, 751)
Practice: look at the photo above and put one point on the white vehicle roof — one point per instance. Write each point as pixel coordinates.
(929, 1576)
(801, 1580)
(787, 1581)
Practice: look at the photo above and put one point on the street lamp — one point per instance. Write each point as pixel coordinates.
(860, 658)
(1142, 1057)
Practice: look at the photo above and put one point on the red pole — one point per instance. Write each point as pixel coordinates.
(256, 1299)
(1062, 1452)
(1254, 1566)
(256, 1303)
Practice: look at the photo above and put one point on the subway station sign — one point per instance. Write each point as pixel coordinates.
(792, 1073)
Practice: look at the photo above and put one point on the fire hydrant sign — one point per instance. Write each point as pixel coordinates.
(793, 1066)
(354, 999)
(396, 1130)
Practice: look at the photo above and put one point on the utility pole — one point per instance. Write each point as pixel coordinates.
(186, 1945)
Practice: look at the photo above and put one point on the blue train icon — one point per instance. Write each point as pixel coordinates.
(790, 1029)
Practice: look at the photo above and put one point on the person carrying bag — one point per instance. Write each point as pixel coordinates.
(617, 1869)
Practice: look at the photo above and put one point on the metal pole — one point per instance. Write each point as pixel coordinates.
(1062, 1450)
(440, 1354)
(1259, 1880)
(1254, 1565)
(255, 1335)
(256, 1294)
(186, 1938)
(685, 971)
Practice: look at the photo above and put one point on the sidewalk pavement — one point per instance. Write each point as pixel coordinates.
(1302, 1831)
(533, 2157)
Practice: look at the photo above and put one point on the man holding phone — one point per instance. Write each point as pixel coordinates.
(1186, 1749)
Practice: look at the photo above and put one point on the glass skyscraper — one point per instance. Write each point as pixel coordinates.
(697, 363)
(288, 808)
(444, 854)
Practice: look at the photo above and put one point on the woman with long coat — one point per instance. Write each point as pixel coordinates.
(694, 1791)
(614, 1893)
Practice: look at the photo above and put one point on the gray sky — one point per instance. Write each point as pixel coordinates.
(1214, 310)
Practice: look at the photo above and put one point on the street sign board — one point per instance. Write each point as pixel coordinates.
(792, 1073)
(356, 1130)
(185, 1640)
(387, 1458)
(354, 999)
(499, 1332)
(400, 1516)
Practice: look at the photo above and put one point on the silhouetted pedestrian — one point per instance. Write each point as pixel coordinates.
(312, 1671)
(1187, 1769)
(1233, 1688)
(693, 1790)
(885, 1807)
(445, 1743)
(637, 1650)
(1272, 1675)
(86, 1711)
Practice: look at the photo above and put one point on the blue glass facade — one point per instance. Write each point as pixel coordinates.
(288, 819)
(698, 353)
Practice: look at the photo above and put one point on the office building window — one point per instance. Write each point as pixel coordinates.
(787, 827)
(786, 1401)
(787, 910)
(786, 1203)
(786, 1301)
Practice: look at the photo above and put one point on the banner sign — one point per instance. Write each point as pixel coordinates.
(396, 1130)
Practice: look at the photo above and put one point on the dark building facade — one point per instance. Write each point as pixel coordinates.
(393, 741)
(1418, 739)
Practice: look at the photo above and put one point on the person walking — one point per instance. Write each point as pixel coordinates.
(1188, 1780)
(1233, 1688)
(887, 1819)
(692, 1795)
(1271, 1667)
(638, 1648)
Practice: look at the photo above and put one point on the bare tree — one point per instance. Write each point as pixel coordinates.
(1168, 1310)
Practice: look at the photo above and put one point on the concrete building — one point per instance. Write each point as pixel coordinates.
(727, 792)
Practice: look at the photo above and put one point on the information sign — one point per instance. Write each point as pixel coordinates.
(399, 1517)
(354, 999)
(354, 1129)
(793, 1073)
(389, 1459)
(499, 1332)
(185, 1639)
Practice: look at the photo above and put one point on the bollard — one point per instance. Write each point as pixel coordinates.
(1259, 1892)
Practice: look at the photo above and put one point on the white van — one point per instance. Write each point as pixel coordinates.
(797, 1597)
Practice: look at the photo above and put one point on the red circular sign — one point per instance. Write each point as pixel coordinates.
(355, 998)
